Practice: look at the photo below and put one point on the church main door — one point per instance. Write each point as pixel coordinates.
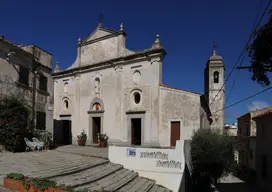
(136, 131)
(96, 128)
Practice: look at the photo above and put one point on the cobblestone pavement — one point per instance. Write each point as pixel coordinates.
(80, 171)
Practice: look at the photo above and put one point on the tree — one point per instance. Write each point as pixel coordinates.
(14, 122)
(260, 53)
(212, 154)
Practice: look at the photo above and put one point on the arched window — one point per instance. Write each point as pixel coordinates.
(65, 88)
(137, 97)
(66, 104)
(216, 77)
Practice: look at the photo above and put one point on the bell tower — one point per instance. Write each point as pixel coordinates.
(215, 89)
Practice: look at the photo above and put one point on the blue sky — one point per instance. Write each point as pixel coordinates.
(187, 29)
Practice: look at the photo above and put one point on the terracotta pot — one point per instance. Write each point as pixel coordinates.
(102, 144)
(34, 189)
(14, 184)
(81, 142)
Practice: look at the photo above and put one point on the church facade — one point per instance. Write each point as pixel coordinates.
(110, 89)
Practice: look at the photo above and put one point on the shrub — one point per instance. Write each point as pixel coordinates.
(15, 176)
(13, 123)
(212, 155)
(82, 136)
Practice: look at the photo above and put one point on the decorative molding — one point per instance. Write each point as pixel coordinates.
(97, 74)
(93, 111)
(137, 66)
(135, 112)
(68, 115)
(118, 69)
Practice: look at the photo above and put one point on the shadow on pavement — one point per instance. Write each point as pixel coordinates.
(236, 187)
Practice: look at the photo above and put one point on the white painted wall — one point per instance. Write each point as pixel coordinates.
(151, 167)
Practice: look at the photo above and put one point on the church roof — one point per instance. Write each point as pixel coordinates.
(171, 87)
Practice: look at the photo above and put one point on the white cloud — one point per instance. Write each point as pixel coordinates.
(257, 105)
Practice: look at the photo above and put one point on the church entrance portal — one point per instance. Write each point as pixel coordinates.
(96, 128)
(136, 131)
(62, 132)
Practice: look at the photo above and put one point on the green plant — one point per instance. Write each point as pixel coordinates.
(46, 137)
(212, 154)
(103, 137)
(15, 176)
(82, 136)
(14, 120)
(39, 183)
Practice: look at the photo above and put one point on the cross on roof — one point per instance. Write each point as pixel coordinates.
(100, 19)
(214, 48)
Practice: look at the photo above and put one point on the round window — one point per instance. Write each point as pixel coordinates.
(137, 98)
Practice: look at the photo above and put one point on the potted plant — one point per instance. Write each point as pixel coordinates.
(40, 185)
(14, 181)
(103, 140)
(81, 139)
(46, 137)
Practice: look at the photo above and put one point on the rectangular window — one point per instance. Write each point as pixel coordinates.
(43, 83)
(41, 120)
(264, 166)
(23, 75)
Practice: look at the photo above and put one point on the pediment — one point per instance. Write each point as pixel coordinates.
(98, 33)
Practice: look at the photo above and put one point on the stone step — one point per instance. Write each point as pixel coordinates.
(158, 188)
(75, 168)
(112, 182)
(89, 175)
(138, 184)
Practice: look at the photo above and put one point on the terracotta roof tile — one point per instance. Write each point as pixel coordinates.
(263, 113)
(257, 112)
(171, 87)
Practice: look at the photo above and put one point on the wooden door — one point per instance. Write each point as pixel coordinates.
(175, 133)
(95, 128)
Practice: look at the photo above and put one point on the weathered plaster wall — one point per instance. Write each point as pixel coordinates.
(9, 76)
(263, 150)
(178, 105)
(217, 98)
(42, 56)
(116, 92)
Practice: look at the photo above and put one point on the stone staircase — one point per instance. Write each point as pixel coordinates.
(107, 176)
(79, 167)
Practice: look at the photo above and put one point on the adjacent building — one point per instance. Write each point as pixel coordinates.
(26, 73)
(231, 129)
(111, 89)
(247, 133)
(263, 150)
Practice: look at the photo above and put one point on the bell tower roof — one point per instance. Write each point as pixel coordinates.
(215, 60)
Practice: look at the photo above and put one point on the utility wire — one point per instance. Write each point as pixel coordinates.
(245, 99)
(243, 51)
(236, 77)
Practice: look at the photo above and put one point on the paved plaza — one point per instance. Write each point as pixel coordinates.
(80, 167)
